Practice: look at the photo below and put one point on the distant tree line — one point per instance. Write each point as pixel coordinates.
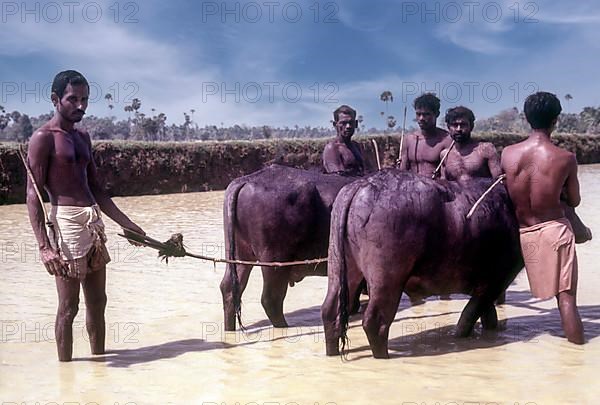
(17, 126)
(511, 120)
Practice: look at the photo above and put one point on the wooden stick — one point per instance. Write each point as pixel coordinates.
(437, 169)
(30, 175)
(498, 180)
(49, 224)
(376, 153)
(402, 137)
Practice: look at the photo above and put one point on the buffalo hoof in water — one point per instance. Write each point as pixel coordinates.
(332, 348)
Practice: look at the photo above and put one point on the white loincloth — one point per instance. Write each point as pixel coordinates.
(80, 231)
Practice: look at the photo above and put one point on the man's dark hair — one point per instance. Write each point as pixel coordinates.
(541, 109)
(344, 109)
(428, 101)
(452, 114)
(66, 77)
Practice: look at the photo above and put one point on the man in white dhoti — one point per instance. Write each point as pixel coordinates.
(61, 162)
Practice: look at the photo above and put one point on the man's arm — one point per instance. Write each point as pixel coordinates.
(38, 156)
(105, 203)
(493, 160)
(332, 161)
(573, 198)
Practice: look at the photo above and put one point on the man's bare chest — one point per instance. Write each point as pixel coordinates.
(427, 152)
(70, 150)
(472, 163)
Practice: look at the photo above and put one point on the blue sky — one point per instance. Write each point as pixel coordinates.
(293, 62)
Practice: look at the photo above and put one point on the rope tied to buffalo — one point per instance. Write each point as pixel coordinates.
(174, 248)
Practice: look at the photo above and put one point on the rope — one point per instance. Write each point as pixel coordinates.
(170, 250)
(257, 263)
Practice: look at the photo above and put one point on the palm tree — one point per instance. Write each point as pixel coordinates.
(391, 121)
(109, 98)
(385, 97)
(4, 118)
(136, 104)
(568, 98)
(129, 110)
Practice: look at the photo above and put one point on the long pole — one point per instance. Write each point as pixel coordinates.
(494, 184)
(402, 136)
(437, 169)
(49, 223)
(376, 153)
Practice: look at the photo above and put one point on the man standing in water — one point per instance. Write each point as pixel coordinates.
(61, 162)
(342, 155)
(538, 175)
(421, 150)
(468, 158)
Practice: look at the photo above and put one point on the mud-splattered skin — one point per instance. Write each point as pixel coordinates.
(276, 214)
(407, 233)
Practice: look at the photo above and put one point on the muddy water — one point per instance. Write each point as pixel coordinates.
(166, 342)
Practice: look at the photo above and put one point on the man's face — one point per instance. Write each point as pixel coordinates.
(345, 126)
(73, 103)
(460, 130)
(425, 118)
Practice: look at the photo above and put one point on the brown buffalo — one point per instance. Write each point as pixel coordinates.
(277, 214)
(407, 233)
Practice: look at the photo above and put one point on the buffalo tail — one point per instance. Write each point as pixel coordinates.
(339, 235)
(230, 222)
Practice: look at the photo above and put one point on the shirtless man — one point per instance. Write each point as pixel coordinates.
(468, 158)
(341, 154)
(538, 175)
(61, 160)
(421, 150)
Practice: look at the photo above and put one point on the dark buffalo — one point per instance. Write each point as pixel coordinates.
(406, 233)
(278, 214)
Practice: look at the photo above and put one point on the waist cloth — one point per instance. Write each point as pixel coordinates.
(81, 238)
(550, 258)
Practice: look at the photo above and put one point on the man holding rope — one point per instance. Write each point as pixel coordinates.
(421, 150)
(468, 158)
(61, 162)
(342, 155)
(538, 175)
